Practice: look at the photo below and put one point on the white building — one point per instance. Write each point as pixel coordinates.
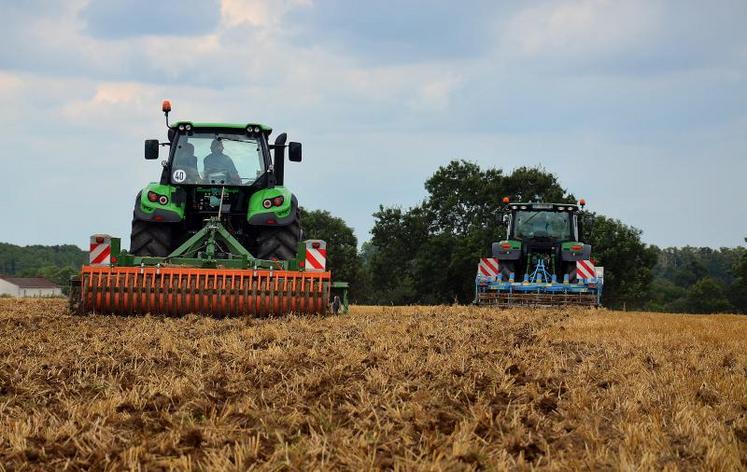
(28, 287)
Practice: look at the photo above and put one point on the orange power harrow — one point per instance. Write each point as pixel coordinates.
(217, 292)
(210, 274)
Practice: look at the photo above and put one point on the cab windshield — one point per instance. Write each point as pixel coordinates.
(542, 224)
(217, 158)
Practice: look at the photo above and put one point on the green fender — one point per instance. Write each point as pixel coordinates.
(575, 251)
(170, 212)
(507, 250)
(276, 215)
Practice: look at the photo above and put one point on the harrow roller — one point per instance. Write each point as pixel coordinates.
(533, 299)
(178, 291)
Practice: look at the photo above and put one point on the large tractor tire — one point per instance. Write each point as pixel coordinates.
(279, 242)
(151, 239)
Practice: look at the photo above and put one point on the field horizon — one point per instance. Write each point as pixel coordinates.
(415, 387)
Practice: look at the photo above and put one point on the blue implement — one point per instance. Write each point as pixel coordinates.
(538, 289)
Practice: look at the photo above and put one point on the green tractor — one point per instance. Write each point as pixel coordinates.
(218, 235)
(224, 169)
(543, 260)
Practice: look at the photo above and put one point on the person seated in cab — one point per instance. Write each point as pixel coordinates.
(219, 168)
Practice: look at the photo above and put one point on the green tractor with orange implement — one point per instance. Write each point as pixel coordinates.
(218, 234)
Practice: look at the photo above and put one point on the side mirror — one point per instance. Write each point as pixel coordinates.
(151, 149)
(294, 151)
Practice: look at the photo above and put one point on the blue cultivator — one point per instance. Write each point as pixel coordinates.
(538, 289)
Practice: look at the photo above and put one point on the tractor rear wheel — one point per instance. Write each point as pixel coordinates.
(279, 242)
(151, 239)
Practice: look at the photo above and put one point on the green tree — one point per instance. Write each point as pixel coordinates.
(465, 199)
(627, 262)
(56, 263)
(536, 184)
(397, 236)
(665, 296)
(738, 289)
(707, 296)
(429, 253)
(462, 197)
(27, 260)
(678, 270)
(342, 256)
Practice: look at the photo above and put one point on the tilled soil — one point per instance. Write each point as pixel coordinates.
(455, 388)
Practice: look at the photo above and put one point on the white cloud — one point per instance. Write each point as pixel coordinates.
(369, 125)
(573, 27)
(10, 84)
(436, 94)
(172, 57)
(109, 100)
(258, 13)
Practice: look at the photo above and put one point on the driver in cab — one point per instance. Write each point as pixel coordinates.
(219, 168)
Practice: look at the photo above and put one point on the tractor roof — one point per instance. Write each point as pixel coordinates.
(542, 206)
(242, 126)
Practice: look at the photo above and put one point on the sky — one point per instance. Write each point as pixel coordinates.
(640, 107)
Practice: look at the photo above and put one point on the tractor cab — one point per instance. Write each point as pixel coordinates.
(217, 155)
(548, 222)
(229, 171)
(548, 235)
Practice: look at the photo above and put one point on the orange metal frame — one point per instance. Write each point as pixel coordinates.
(222, 292)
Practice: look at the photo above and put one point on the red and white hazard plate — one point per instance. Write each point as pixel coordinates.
(585, 269)
(489, 267)
(100, 251)
(316, 255)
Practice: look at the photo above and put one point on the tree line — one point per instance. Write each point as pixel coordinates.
(428, 254)
(56, 263)
(699, 280)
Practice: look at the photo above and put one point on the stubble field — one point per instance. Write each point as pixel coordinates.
(453, 388)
